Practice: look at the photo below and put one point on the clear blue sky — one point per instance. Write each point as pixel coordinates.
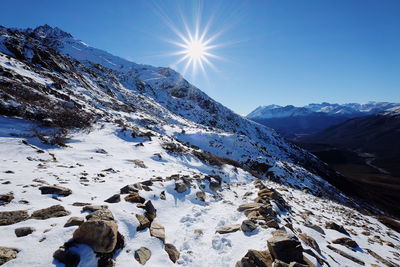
(277, 52)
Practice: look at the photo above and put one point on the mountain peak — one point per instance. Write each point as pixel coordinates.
(47, 31)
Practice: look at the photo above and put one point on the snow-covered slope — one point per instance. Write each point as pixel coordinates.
(99, 122)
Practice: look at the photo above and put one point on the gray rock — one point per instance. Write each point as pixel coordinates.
(248, 226)
(248, 206)
(228, 229)
(157, 230)
(11, 217)
(201, 196)
(255, 258)
(180, 187)
(102, 214)
(69, 258)
(173, 253)
(24, 231)
(7, 254)
(50, 212)
(93, 208)
(143, 222)
(142, 255)
(345, 241)
(113, 199)
(130, 188)
(74, 221)
(55, 189)
(5, 199)
(285, 247)
(336, 227)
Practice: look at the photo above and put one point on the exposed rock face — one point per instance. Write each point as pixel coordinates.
(143, 222)
(134, 197)
(101, 214)
(24, 231)
(69, 258)
(345, 241)
(55, 189)
(248, 226)
(337, 227)
(173, 253)
(285, 247)
(157, 230)
(228, 229)
(142, 255)
(100, 235)
(11, 217)
(50, 212)
(255, 258)
(7, 254)
(74, 221)
(113, 199)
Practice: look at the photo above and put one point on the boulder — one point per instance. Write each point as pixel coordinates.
(256, 258)
(345, 241)
(74, 221)
(248, 226)
(346, 255)
(24, 231)
(315, 227)
(173, 253)
(285, 247)
(268, 193)
(7, 254)
(100, 235)
(128, 189)
(55, 189)
(50, 212)
(143, 222)
(11, 217)
(200, 195)
(335, 226)
(102, 214)
(134, 197)
(69, 258)
(248, 206)
(113, 199)
(93, 208)
(142, 255)
(151, 212)
(228, 229)
(180, 187)
(5, 199)
(157, 230)
(309, 241)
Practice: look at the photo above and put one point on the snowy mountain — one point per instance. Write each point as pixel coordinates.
(107, 162)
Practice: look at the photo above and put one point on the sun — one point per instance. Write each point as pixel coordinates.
(196, 50)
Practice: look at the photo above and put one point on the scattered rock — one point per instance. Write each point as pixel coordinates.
(11, 217)
(180, 187)
(151, 212)
(335, 226)
(102, 214)
(100, 235)
(74, 221)
(255, 258)
(113, 199)
(5, 199)
(130, 188)
(162, 195)
(143, 222)
(69, 258)
(285, 247)
(134, 197)
(142, 255)
(7, 254)
(55, 190)
(248, 206)
(93, 208)
(157, 230)
(50, 212)
(228, 229)
(248, 226)
(344, 254)
(315, 227)
(215, 182)
(345, 241)
(173, 253)
(379, 258)
(80, 204)
(24, 231)
(309, 241)
(201, 196)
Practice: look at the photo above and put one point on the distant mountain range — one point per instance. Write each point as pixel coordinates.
(294, 121)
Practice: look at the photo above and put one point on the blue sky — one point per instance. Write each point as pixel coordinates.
(275, 52)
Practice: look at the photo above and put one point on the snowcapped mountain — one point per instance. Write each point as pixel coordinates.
(87, 134)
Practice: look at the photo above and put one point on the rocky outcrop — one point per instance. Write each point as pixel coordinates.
(50, 212)
(336, 227)
(346, 255)
(55, 190)
(11, 217)
(309, 241)
(256, 258)
(345, 241)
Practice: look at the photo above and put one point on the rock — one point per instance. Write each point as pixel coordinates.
(55, 189)
(381, 259)
(272, 224)
(24, 231)
(7, 254)
(344, 254)
(268, 193)
(69, 258)
(113, 199)
(80, 204)
(309, 241)
(256, 258)
(278, 263)
(102, 214)
(74, 221)
(128, 189)
(285, 247)
(93, 208)
(228, 229)
(151, 212)
(143, 222)
(100, 235)
(215, 182)
(335, 226)
(50, 212)
(142, 255)
(201, 196)
(11, 217)
(248, 206)
(248, 226)
(134, 197)
(173, 253)
(345, 241)
(5, 199)
(315, 227)
(157, 230)
(180, 187)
